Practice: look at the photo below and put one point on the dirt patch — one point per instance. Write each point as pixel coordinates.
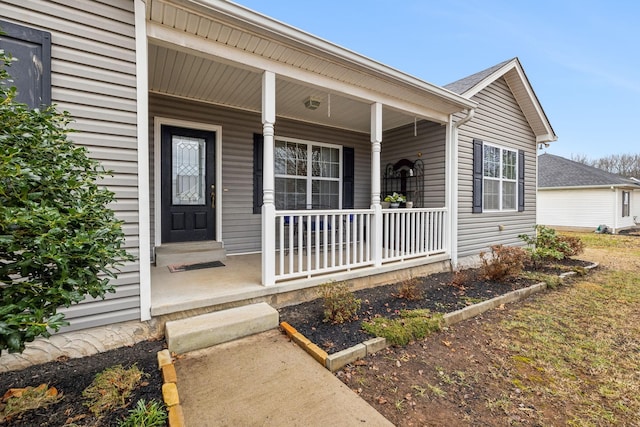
(70, 377)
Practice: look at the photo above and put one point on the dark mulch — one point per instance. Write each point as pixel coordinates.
(439, 295)
(70, 377)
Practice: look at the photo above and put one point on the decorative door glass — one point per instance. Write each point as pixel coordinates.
(188, 174)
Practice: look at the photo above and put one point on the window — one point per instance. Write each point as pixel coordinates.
(307, 175)
(31, 73)
(625, 204)
(498, 178)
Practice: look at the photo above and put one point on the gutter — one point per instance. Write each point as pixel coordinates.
(275, 29)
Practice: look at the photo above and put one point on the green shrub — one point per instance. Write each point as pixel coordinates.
(59, 240)
(546, 245)
(152, 414)
(504, 262)
(340, 304)
(412, 325)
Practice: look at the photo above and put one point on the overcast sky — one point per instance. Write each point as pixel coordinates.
(582, 57)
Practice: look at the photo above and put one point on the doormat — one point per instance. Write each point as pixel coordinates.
(177, 268)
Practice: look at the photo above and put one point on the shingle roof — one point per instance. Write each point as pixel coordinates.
(556, 171)
(464, 84)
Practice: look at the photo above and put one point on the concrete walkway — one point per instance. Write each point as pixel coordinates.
(265, 380)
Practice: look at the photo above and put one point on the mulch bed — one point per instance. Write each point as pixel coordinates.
(439, 295)
(71, 376)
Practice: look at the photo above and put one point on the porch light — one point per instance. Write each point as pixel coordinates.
(312, 103)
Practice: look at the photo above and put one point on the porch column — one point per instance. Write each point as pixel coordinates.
(376, 146)
(268, 181)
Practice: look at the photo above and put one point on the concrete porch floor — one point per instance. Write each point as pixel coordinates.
(239, 283)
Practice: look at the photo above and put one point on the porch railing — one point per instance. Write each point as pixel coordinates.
(409, 233)
(316, 242)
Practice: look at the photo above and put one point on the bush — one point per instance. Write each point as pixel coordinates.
(504, 262)
(58, 239)
(340, 305)
(546, 245)
(409, 290)
(460, 278)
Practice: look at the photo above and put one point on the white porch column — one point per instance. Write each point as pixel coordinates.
(451, 192)
(376, 146)
(268, 181)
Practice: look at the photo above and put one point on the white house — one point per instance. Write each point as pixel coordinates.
(575, 196)
(236, 137)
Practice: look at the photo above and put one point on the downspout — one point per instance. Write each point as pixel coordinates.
(452, 147)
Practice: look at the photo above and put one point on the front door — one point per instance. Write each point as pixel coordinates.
(188, 185)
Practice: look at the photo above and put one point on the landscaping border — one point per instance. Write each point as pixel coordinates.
(337, 360)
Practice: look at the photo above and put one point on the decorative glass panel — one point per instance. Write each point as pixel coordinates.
(188, 174)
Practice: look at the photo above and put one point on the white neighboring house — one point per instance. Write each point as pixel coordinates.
(575, 196)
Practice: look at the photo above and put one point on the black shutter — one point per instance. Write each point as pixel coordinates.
(31, 74)
(477, 176)
(348, 174)
(258, 149)
(520, 181)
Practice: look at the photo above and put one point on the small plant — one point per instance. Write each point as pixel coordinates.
(395, 198)
(409, 290)
(504, 262)
(111, 388)
(412, 325)
(340, 304)
(19, 400)
(459, 278)
(152, 414)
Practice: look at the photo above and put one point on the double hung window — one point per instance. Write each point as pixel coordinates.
(500, 178)
(307, 175)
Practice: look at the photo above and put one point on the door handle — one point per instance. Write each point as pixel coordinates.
(213, 196)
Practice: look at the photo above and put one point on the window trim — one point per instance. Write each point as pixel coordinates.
(310, 178)
(500, 179)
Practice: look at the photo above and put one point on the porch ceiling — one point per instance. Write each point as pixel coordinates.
(192, 76)
(215, 51)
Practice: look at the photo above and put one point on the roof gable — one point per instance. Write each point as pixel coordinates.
(558, 172)
(518, 83)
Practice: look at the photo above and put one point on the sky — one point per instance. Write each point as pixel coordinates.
(581, 57)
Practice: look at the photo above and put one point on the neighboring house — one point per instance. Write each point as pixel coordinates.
(575, 196)
(230, 131)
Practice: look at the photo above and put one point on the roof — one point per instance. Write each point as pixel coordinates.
(514, 75)
(558, 172)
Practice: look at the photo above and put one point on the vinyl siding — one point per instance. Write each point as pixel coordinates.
(583, 208)
(93, 78)
(429, 140)
(500, 121)
(240, 227)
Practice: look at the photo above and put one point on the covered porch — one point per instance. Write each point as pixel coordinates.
(223, 69)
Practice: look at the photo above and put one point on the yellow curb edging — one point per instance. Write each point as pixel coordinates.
(170, 389)
(316, 352)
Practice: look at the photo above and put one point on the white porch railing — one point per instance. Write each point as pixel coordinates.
(316, 242)
(410, 233)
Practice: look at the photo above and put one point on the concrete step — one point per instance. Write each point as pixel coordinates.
(209, 329)
(189, 253)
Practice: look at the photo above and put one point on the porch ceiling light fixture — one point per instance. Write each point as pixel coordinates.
(312, 103)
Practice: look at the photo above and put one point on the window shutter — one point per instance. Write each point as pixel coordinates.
(348, 175)
(258, 149)
(31, 74)
(520, 181)
(477, 176)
